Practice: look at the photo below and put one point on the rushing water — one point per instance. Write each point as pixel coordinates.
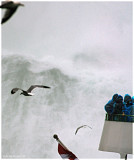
(83, 76)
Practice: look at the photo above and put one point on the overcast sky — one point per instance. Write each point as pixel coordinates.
(69, 27)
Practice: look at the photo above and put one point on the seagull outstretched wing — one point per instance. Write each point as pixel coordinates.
(10, 7)
(8, 14)
(14, 90)
(82, 127)
(6, 4)
(34, 86)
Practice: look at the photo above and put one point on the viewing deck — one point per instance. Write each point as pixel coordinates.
(120, 118)
(117, 134)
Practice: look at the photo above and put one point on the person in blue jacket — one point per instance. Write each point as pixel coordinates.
(118, 105)
(109, 107)
(128, 108)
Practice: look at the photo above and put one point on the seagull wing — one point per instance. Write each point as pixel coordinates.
(87, 126)
(34, 86)
(14, 90)
(6, 4)
(8, 14)
(78, 129)
(81, 127)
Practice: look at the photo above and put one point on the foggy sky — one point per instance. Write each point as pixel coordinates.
(70, 27)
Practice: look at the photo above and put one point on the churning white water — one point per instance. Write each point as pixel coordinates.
(83, 51)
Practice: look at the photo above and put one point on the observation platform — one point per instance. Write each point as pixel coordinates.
(117, 134)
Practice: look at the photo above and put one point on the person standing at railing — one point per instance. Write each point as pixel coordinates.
(109, 106)
(118, 105)
(128, 108)
(114, 107)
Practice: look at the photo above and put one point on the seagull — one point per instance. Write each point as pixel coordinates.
(10, 7)
(82, 127)
(28, 92)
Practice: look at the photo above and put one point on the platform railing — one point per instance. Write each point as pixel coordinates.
(119, 117)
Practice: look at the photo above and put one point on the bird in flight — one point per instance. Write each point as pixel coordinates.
(10, 7)
(28, 92)
(82, 127)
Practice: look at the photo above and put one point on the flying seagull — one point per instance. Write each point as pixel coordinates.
(82, 127)
(10, 7)
(28, 92)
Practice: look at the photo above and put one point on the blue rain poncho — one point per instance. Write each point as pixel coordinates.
(109, 107)
(128, 108)
(118, 105)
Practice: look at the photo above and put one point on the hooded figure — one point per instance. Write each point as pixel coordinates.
(109, 106)
(118, 106)
(127, 99)
(128, 107)
(115, 97)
